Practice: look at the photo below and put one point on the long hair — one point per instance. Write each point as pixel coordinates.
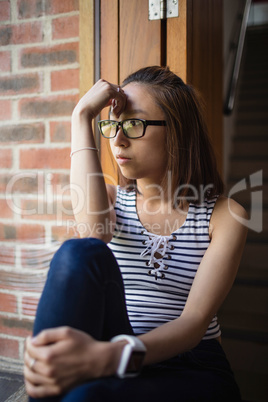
(191, 161)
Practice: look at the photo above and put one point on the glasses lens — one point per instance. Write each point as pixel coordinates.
(108, 128)
(133, 128)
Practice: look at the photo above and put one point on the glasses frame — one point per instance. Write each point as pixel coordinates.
(120, 124)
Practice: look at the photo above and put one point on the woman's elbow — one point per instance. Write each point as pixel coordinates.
(100, 229)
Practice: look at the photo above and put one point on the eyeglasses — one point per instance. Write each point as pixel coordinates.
(132, 128)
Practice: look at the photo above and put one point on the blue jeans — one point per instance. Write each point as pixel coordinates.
(84, 290)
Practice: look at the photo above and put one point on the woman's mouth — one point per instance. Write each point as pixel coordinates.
(121, 160)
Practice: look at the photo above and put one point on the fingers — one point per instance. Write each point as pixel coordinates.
(117, 97)
(42, 379)
(52, 335)
(44, 347)
(38, 374)
(39, 385)
(31, 363)
(53, 343)
(42, 391)
(118, 102)
(101, 95)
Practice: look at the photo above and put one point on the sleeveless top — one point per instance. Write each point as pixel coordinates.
(158, 271)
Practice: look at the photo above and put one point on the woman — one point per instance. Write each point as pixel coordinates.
(176, 243)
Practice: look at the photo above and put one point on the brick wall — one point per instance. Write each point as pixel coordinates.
(39, 81)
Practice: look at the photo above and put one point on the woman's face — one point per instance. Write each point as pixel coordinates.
(145, 157)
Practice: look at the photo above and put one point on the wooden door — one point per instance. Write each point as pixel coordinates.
(190, 44)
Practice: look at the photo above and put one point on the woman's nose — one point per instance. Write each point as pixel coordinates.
(120, 139)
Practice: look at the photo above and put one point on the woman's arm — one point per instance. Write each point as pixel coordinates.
(92, 204)
(211, 285)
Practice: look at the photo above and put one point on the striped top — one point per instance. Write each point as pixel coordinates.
(158, 271)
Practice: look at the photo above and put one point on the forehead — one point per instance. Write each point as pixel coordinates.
(140, 99)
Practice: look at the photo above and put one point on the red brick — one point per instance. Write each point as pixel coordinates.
(35, 183)
(28, 233)
(57, 55)
(37, 8)
(4, 179)
(40, 210)
(22, 133)
(15, 326)
(31, 9)
(60, 131)
(45, 158)
(59, 6)
(64, 79)
(37, 258)
(22, 182)
(9, 348)
(31, 233)
(5, 158)
(20, 84)
(29, 282)
(7, 255)
(5, 11)
(65, 27)
(7, 232)
(48, 106)
(8, 303)
(6, 211)
(29, 32)
(5, 61)
(29, 305)
(5, 109)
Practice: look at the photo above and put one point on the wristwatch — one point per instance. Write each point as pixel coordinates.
(132, 356)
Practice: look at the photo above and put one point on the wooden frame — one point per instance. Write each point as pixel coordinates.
(86, 45)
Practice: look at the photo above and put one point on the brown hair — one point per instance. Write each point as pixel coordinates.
(191, 159)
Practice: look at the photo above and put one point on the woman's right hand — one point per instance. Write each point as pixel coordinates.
(58, 359)
(101, 95)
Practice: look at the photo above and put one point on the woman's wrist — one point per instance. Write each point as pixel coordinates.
(81, 119)
(82, 133)
(112, 353)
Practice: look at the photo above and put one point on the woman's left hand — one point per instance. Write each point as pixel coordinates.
(58, 359)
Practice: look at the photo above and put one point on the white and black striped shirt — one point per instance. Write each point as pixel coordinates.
(158, 271)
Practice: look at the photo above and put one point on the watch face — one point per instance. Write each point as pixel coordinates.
(135, 362)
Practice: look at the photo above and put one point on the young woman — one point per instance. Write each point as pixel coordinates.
(173, 252)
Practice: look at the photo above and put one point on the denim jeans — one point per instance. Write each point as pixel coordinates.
(84, 290)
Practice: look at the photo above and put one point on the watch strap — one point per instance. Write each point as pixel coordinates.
(132, 356)
(133, 340)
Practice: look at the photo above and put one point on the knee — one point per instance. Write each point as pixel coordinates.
(74, 253)
(72, 246)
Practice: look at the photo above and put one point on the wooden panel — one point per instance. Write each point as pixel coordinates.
(86, 45)
(205, 64)
(109, 40)
(140, 39)
(109, 71)
(194, 52)
(177, 42)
